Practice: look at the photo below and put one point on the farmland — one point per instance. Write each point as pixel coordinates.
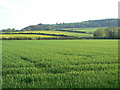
(60, 64)
(22, 36)
(65, 33)
(87, 30)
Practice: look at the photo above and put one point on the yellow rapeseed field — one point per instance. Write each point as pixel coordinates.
(24, 36)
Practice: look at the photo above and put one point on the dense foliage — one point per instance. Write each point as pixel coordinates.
(110, 32)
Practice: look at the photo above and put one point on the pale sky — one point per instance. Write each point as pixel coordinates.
(21, 13)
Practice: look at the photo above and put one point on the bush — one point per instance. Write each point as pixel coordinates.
(110, 32)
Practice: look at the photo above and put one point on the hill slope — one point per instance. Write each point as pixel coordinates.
(85, 24)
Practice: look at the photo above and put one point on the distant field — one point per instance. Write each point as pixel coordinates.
(87, 30)
(46, 34)
(61, 33)
(25, 36)
(60, 64)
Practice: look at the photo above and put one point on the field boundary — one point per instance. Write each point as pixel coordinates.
(53, 38)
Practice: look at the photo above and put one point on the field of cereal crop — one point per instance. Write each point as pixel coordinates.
(60, 64)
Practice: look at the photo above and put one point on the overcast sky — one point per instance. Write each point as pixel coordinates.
(21, 13)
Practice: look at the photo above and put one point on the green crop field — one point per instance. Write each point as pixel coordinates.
(59, 63)
(87, 30)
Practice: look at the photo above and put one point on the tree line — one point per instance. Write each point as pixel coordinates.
(9, 30)
(85, 24)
